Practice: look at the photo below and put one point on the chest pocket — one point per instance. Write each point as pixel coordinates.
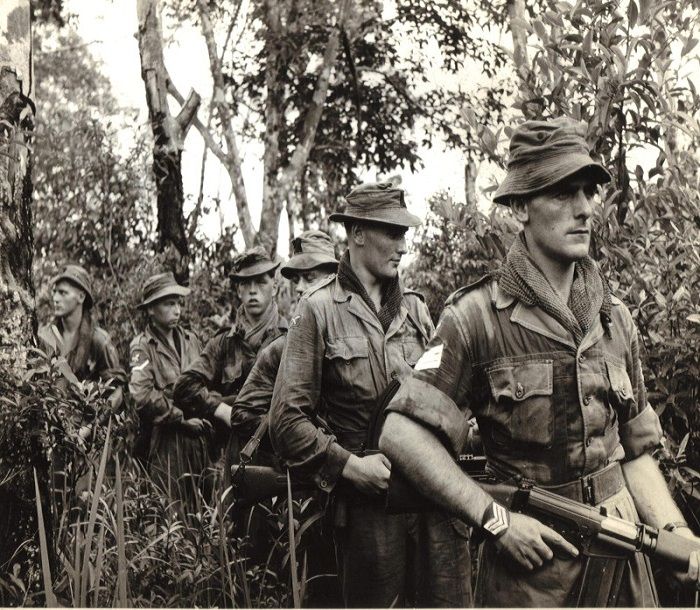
(522, 401)
(232, 372)
(412, 351)
(348, 358)
(621, 395)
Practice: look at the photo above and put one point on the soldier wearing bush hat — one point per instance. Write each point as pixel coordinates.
(208, 387)
(547, 360)
(178, 448)
(351, 334)
(75, 336)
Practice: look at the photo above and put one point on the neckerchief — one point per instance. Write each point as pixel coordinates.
(520, 277)
(78, 354)
(253, 334)
(391, 299)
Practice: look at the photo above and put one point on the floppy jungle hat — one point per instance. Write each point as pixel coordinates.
(543, 153)
(253, 262)
(78, 276)
(310, 249)
(377, 202)
(160, 286)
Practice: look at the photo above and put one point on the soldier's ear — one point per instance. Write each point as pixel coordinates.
(519, 207)
(357, 234)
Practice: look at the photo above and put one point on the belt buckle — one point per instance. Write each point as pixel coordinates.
(587, 490)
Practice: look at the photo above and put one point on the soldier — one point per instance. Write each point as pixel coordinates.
(313, 258)
(178, 452)
(351, 334)
(209, 386)
(74, 334)
(548, 361)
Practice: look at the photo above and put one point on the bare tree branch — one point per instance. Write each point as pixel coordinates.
(234, 161)
(188, 111)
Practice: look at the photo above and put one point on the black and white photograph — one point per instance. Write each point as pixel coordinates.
(349, 303)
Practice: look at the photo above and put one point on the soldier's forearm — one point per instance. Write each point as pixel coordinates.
(424, 460)
(650, 492)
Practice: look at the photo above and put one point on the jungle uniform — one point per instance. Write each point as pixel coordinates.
(548, 410)
(338, 355)
(155, 366)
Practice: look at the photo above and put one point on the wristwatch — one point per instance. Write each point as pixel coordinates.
(496, 520)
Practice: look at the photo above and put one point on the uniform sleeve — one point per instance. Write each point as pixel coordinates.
(640, 428)
(191, 393)
(152, 403)
(295, 434)
(253, 401)
(437, 393)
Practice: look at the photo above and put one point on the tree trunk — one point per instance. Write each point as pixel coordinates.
(16, 237)
(168, 134)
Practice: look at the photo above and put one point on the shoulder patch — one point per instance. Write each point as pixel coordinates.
(457, 294)
(322, 283)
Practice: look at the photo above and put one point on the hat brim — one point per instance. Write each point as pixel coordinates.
(75, 282)
(400, 217)
(168, 291)
(305, 262)
(532, 178)
(255, 270)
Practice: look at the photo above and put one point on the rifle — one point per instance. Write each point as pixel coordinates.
(569, 517)
(252, 484)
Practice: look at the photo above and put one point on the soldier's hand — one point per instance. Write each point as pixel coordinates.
(692, 576)
(370, 473)
(530, 542)
(196, 426)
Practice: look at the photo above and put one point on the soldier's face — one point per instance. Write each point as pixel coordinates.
(256, 294)
(303, 280)
(66, 298)
(558, 221)
(165, 313)
(384, 246)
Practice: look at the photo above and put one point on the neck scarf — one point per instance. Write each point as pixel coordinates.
(590, 295)
(254, 333)
(391, 299)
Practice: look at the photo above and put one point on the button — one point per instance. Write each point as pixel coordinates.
(519, 390)
(587, 400)
(324, 484)
(589, 440)
(393, 375)
(581, 359)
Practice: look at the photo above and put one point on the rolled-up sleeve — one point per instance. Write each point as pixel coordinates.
(192, 391)
(437, 393)
(641, 431)
(304, 446)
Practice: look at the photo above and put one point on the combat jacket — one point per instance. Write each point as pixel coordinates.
(155, 367)
(221, 369)
(338, 355)
(103, 360)
(253, 401)
(547, 409)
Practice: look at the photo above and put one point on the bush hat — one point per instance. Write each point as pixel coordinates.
(159, 286)
(310, 249)
(77, 275)
(543, 153)
(377, 202)
(252, 263)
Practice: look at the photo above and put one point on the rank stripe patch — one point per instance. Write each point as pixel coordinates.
(430, 359)
(498, 522)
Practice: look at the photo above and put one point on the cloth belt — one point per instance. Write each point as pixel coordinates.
(593, 488)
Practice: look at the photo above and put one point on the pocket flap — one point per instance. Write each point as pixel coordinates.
(521, 381)
(412, 351)
(619, 379)
(347, 348)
